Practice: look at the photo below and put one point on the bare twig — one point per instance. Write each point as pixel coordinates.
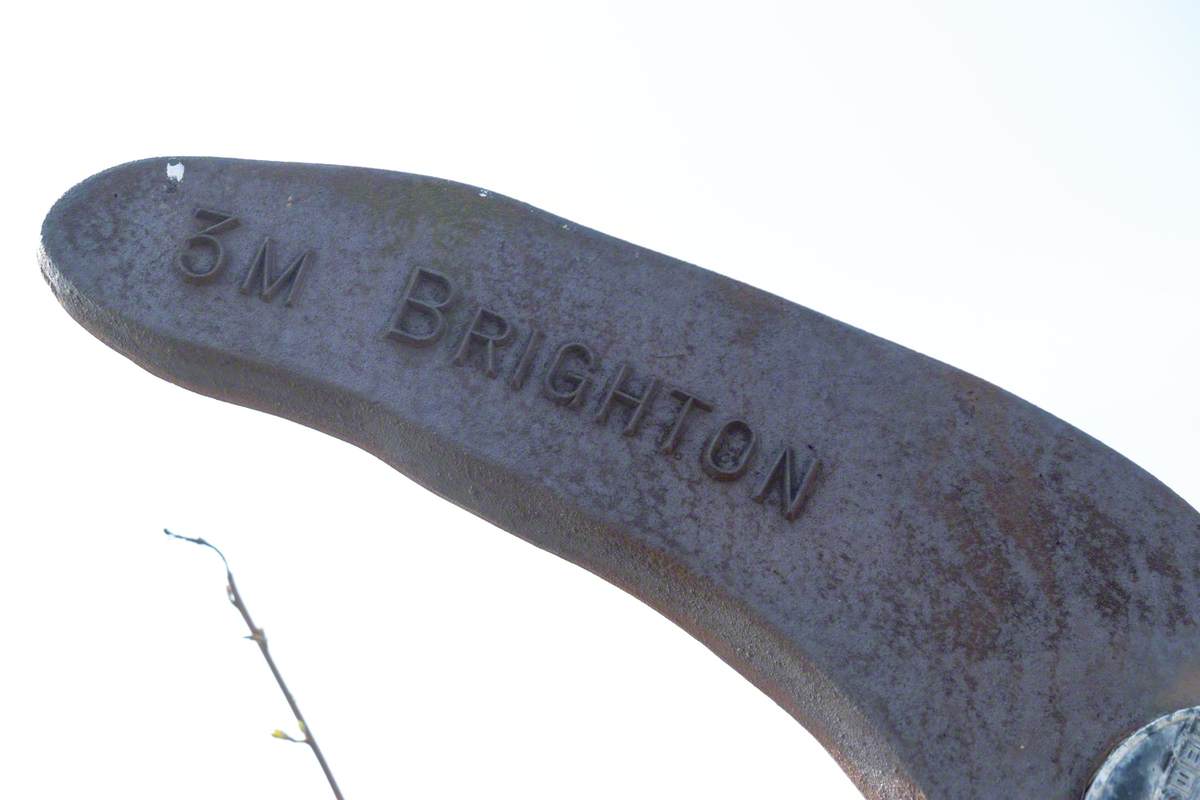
(257, 635)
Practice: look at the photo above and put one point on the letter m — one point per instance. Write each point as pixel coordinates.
(261, 274)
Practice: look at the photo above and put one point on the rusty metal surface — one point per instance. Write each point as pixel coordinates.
(960, 595)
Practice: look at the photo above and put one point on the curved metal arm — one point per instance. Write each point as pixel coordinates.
(960, 595)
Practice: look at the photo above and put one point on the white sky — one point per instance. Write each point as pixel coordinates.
(1011, 187)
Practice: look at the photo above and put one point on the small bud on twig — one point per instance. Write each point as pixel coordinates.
(259, 637)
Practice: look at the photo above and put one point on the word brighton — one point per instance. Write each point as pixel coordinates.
(568, 378)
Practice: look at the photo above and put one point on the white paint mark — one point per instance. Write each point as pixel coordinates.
(175, 171)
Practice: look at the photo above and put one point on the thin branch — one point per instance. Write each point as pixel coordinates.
(260, 637)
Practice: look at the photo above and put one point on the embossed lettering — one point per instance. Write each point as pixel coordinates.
(525, 362)
(637, 404)
(793, 488)
(491, 331)
(689, 402)
(564, 385)
(428, 295)
(218, 222)
(262, 272)
(422, 318)
(1182, 778)
(729, 450)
